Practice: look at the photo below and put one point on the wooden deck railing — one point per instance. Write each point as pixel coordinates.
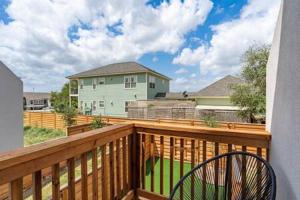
(122, 161)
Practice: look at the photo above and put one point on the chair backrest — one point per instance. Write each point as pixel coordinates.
(234, 175)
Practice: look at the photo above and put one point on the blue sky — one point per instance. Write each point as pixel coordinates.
(195, 42)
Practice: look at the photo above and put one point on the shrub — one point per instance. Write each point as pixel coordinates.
(69, 115)
(97, 123)
(210, 120)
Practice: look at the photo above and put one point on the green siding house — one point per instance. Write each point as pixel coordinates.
(108, 90)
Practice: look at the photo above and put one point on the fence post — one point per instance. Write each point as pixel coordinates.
(54, 120)
(42, 119)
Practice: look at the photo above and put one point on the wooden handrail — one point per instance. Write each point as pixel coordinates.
(21, 162)
(238, 137)
(139, 140)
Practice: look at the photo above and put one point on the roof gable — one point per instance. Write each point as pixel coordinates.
(117, 68)
(220, 87)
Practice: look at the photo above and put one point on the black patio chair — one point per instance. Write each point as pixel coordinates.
(234, 175)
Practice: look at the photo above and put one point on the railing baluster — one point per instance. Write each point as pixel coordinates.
(216, 181)
(152, 162)
(84, 192)
(125, 163)
(37, 185)
(16, 189)
(95, 173)
(130, 146)
(259, 175)
(143, 146)
(103, 172)
(55, 182)
(118, 162)
(112, 170)
(204, 171)
(171, 162)
(229, 194)
(71, 179)
(181, 165)
(192, 166)
(244, 164)
(161, 164)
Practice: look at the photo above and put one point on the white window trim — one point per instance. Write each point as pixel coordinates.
(103, 104)
(152, 81)
(130, 76)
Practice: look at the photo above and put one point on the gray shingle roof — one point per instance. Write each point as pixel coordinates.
(117, 68)
(36, 95)
(220, 87)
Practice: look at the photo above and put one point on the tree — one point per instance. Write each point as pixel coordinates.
(69, 115)
(250, 96)
(60, 100)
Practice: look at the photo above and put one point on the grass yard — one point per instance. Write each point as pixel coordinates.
(186, 168)
(34, 135)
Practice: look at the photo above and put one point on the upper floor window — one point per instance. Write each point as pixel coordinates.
(151, 81)
(130, 81)
(81, 84)
(101, 104)
(101, 81)
(94, 83)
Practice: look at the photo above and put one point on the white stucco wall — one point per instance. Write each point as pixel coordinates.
(11, 110)
(283, 101)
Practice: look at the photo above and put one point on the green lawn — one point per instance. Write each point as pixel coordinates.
(186, 168)
(176, 177)
(34, 135)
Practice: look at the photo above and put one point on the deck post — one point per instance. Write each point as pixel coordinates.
(135, 165)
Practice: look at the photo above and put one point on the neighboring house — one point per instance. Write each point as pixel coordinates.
(217, 95)
(108, 90)
(36, 100)
(11, 110)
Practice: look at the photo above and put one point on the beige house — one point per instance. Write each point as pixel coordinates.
(216, 96)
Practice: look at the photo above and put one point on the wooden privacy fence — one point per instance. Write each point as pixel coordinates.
(55, 121)
(120, 166)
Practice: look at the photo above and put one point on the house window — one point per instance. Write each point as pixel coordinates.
(127, 103)
(81, 105)
(81, 84)
(101, 81)
(94, 105)
(94, 83)
(151, 81)
(101, 104)
(130, 81)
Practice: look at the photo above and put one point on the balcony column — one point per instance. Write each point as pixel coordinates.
(283, 101)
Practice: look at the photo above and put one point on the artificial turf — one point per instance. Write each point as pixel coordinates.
(176, 177)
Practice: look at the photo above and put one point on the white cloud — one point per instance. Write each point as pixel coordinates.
(231, 39)
(155, 59)
(36, 44)
(181, 71)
